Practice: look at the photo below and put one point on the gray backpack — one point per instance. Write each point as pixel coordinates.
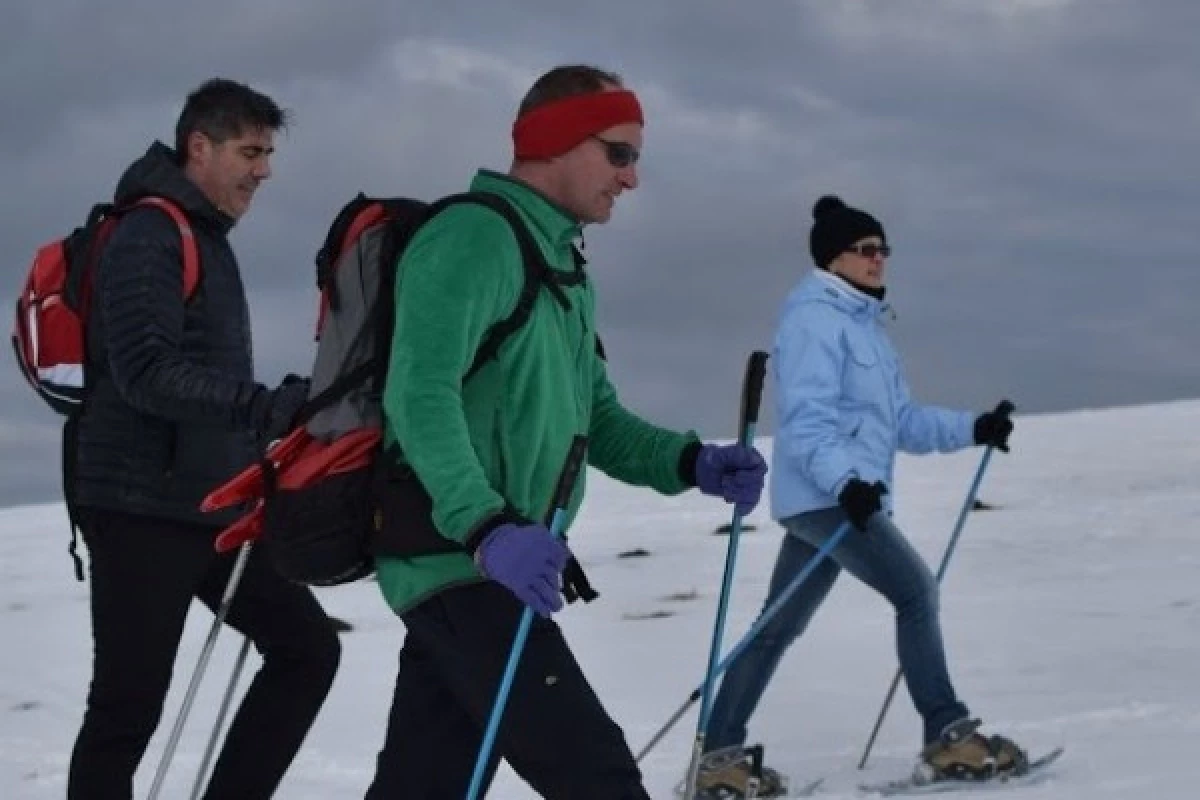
(328, 499)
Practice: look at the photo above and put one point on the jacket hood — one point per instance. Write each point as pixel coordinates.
(158, 173)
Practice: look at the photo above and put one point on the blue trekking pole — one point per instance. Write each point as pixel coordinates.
(763, 619)
(1006, 407)
(558, 513)
(752, 386)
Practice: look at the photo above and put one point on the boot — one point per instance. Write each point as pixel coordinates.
(737, 773)
(961, 753)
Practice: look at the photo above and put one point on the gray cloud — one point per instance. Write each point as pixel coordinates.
(1029, 158)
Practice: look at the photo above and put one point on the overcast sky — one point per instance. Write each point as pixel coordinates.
(1033, 161)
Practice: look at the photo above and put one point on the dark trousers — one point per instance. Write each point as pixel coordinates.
(555, 734)
(144, 574)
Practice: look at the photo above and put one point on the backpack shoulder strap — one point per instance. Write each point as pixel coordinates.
(530, 252)
(81, 247)
(191, 252)
(538, 273)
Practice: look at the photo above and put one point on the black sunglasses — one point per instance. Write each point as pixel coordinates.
(870, 250)
(620, 154)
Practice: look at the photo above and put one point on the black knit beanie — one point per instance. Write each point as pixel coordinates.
(836, 226)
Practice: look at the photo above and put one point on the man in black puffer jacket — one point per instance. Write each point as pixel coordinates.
(173, 411)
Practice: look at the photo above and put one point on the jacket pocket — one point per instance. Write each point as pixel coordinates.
(861, 353)
(863, 384)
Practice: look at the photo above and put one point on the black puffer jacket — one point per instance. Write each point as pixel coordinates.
(170, 414)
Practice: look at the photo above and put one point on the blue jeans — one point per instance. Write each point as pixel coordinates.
(884, 560)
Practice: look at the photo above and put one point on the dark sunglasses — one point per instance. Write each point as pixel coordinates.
(620, 154)
(870, 250)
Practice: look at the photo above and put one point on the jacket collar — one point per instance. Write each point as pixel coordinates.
(549, 220)
(832, 289)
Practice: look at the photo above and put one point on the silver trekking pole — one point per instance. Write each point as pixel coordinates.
(235, 578)
(202, 772)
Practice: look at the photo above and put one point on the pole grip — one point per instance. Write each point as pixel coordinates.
(752, 389)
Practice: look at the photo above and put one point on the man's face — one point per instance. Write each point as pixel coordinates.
(230, 172)
(597, 170)
(863, 262)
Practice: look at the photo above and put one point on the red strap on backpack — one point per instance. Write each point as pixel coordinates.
(191, 253)
(368, 216)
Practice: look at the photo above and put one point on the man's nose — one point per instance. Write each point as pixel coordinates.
(629, 177)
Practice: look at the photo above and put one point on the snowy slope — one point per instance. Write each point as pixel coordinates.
(1071, 613)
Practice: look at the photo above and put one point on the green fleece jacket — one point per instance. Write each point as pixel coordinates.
(500, 439)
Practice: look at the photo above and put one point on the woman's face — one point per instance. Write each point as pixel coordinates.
(863, 262)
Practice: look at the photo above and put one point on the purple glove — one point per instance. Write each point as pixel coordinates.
(733, 472)
(528, 560)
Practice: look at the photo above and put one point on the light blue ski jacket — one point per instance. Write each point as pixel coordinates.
(843, 408)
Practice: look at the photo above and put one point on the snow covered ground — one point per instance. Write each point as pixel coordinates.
(1071, 613)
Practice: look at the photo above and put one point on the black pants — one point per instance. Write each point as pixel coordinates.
(144, 574)
(554, 732)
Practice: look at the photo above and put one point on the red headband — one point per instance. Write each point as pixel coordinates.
(554, 128)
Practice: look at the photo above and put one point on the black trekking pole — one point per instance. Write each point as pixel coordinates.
(962, 518)
(235, 577)
(752, 386)
(575, 461)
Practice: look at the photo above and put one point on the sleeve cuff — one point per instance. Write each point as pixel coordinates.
(687, 462)
(841, 483)
(507, 516)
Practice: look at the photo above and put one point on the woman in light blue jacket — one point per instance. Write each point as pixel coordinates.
(843, 412)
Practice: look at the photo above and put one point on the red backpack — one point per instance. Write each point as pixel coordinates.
(50, 332)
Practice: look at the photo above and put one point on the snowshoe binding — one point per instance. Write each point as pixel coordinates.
(736, 773)
(961, 753)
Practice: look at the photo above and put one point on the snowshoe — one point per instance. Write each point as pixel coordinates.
(736, 773)
(961, 753)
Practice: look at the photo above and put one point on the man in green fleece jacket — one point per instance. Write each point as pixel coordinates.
(488, 451)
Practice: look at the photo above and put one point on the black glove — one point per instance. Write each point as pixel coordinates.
(861, 500)
(993, 427)
(273, 411)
